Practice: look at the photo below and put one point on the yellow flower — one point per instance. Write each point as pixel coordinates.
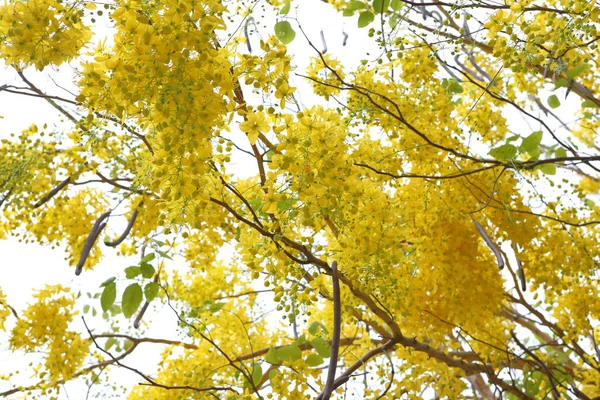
(254, 124)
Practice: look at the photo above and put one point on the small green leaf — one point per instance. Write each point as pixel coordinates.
(504, 152)
(562, 82)
(531, 143)
(110, 342)
(289, 353)
(321, 346)
(314, 360)
(301, 340)
(365, 18)
(148, 258)
(256, 374)
(272, 357)
(106, 282)
(380, 6)
(512, 138)
(127, 344)
(86, 308)
(284, 32)
(147, 270)
(313, 329)
(553, 101)
(109, 294)
(255, 204)
(452, 86)
(286, 204)
(273, 374)
(215, 307)
(589, 104)
(132, 298)
(396, 5)
(132, 272)
(548, 169)
(286, 8)
(560, 152)
(151, 290)
(572, 73)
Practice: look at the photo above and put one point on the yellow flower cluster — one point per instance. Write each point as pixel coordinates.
(44, 325)
(4, 310)
(41, 32)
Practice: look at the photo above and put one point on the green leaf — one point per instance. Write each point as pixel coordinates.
(86, 308)
(314, 360)
(286, 204)
(164, 255)
(504, 152)
(106, 282)
(273, 374)
(132, 298)
(272, 357)
(512, 138)
(151, 290)
(215, 307)
(531, 143)
(396, 5)
(286, 8)
(109, 294)
(148, 258)
(301, 340)
(380, 6)
(256, 374)
(560, 152)
(553, 101)
(147, 270)
(284, 32)
(589, 104)
(365, 18)
(255, 204)
(572, 73)
(548, 169)
(110, 342)
(132, 272)
(321, 346)
(313, 329)
(562, 82)
(289, 353)
(451, 86)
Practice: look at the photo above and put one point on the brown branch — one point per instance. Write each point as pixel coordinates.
(335, 341)
(540, 363)
(48, 99)
(138, 319)
(433, 177)
(89, 243)
(151, 381)
(304, 346)
(137, 341)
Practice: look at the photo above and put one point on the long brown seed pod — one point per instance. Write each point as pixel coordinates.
(52, 193)
(89, 243)
(490, 243)
(125, 233)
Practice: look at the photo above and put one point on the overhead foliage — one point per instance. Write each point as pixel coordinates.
(413, 220)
